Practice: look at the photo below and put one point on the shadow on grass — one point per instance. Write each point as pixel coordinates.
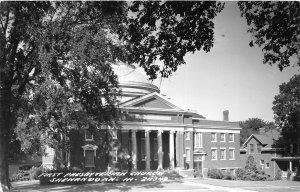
(34, 186)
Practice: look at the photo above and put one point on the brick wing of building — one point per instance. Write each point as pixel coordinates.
(155, 134)
(267, 157)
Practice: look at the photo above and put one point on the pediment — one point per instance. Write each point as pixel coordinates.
(153, 100)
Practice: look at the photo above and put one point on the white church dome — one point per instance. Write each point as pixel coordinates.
(132, 82)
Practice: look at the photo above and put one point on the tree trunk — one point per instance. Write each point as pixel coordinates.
(4, 118)
(4, 134)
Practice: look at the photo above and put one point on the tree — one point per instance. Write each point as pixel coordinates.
(69, 46)
(275, 27)
(286, 107)
(168, 30)
(252, 125)
(66, 44)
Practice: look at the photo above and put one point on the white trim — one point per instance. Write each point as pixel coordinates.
(149, 96)
(92, 139)
(217, 130)
(261, 161)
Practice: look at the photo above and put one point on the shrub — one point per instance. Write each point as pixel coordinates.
(228, 176)
(215, 174)
(21, 175)
(278, 175)
(197, 174)
(288, 176)
(250, 164)
(240, 173)
(172, 174)
(35, 172)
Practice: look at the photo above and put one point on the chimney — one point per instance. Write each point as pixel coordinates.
(262, 130)
(226, 115)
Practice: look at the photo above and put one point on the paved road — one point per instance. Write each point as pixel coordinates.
(185, 185)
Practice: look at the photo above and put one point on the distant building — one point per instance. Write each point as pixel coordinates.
(267, 157)
(155, 134)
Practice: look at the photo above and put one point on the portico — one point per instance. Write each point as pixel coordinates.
(155, 149)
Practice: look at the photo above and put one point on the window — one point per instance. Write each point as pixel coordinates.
(143, 149)
(214, 155)
(198, 140)
(222, 137)
(114, 134)
(187, 135)
(267, 165)
(213, 137)
(188, 154)
(231, 137)
(231, 154)
(251, 148)
(89, 135)
(115, 155)
(258, 148)
(262, 162)
(223, 154)
(49, 150)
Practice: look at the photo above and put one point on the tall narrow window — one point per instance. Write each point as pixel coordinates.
(89, 135)
(115, 155)
(223, 154)
(198, 140)
(188, 154)
(214, 155)
(231, 154)
(187, 135)
(114, 134)
(251, 148)
(258, 148)
(231, 137)
(222, 137)
(213, 137)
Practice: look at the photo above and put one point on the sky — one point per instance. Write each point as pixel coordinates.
(231, 76)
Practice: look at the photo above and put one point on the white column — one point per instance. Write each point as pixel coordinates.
(291, 167)
(159, 151)
(171, 149)
(147, 145)
(133, 150)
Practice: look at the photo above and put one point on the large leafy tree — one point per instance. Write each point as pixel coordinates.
(168, 30)
(51, 50)
(61, 44)
(287, 112)
(274, 26)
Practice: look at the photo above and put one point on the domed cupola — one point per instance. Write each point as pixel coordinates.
(132, 82)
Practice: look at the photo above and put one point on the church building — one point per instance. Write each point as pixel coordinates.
(155, 134)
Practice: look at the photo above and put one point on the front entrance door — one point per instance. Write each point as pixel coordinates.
(89, 158)
(198, 166)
